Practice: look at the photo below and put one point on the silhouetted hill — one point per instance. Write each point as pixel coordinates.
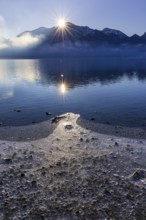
(83, 34)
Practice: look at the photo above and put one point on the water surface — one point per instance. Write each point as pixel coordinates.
(112, 91)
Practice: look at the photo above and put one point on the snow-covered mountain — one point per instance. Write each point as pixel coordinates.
(39, 31)
(112, 32)
(83, 34)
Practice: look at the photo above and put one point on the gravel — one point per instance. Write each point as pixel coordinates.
(73, 174)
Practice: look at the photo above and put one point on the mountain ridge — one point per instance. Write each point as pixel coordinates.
(74, 33)
(73, 41)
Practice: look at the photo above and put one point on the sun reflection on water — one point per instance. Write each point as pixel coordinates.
(63, 88)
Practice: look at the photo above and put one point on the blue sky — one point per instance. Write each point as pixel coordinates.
(17, 16)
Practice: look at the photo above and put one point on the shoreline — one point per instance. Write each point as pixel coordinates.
(27, 133)
(114, 130)
(73, 173)
(44, 129)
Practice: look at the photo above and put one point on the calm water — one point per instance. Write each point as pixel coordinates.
(112, 91)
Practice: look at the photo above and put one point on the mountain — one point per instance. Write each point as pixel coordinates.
(73, 41)
(39, 31)
(82, 34)
(112, 32)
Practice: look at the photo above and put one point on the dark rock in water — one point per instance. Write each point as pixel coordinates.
(48, 113)
(17, 110)
(57, 119)
(138, 175)
(81, 139)
(68, 127)
(92, 119)
(116, 144)
(1, 123)
(33, 122)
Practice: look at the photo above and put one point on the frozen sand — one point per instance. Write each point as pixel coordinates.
(73, 173)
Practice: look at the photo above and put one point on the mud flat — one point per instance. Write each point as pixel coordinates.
(71, 172)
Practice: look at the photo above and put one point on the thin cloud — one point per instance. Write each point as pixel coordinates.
(4, 43)
(25, 40)
(22, 42)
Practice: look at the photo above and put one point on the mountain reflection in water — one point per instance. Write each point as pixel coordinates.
(112, 90)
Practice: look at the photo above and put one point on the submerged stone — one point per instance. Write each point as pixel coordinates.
(17, 110)
(48, 113)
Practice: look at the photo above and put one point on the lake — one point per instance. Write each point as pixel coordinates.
(113, 91)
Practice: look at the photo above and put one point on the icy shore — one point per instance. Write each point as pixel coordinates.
(73, 173)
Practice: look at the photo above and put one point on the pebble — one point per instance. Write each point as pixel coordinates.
(8, 160)
(22, 175)
(17, 110)
(68, 127)
(138, 175)
(48, 113)
(57, 119)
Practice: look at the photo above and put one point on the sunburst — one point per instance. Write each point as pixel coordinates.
(61, 23)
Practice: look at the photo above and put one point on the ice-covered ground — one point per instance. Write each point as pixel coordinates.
(74, 173)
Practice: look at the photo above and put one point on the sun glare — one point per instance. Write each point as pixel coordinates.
(61, 23)
(63, 88)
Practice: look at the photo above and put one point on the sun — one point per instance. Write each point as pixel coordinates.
(61, 23)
